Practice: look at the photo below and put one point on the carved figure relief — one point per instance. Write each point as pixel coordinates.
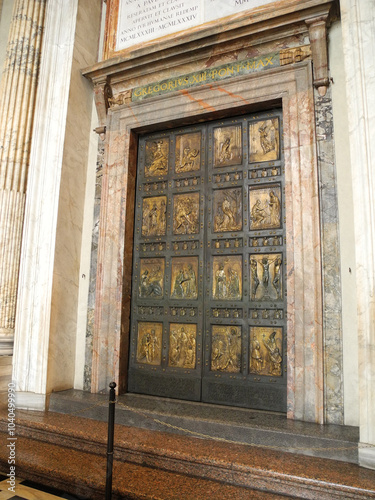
(266, 351)
(226, 348)
(188, 156)
(266, 276)
(154, 216)
(264, 140)
(186, 213)
(227, 210)
(120, 99)
(149, 343)
(227, 278)
(182, 345)
(265, 207)
(293, 55)
(227, 146)
(157, 153)
(151, 282)
(184, 278)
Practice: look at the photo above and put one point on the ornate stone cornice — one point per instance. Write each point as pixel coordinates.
(271, 24)
(198, 46)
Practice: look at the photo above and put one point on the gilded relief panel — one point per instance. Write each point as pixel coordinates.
(227, 278)
(265, 207)
(182, 345)
(154, 216)
(266, 350)
(188, 152)
(264, 141)
(227, 208)
(266, 276)
(186, 213)
(184, 278)
(226, 348)
(157, 154)
(227, 146)
(151, 278)
(149, 343)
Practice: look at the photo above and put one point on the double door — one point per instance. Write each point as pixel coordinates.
(209, 289)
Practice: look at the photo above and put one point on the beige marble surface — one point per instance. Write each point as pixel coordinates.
(32, 354)
(347, 239)
(44, 358)
(67, 275)
(358, 41)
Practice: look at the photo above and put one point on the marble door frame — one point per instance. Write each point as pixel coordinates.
(292, 87)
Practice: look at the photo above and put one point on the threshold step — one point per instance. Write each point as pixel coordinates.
(241, 466)
(83, 474)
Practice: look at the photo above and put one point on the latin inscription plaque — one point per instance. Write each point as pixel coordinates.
(144, 20)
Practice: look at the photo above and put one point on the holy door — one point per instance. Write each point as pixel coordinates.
(208, 316)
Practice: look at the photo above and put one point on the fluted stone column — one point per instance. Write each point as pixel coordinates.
(34, 347)
(17, 103)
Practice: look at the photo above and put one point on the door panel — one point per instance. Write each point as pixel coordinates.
(209, 291)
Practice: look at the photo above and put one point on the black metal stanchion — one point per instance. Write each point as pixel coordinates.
(111, 430)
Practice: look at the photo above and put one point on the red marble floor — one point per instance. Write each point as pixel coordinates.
(68, 453)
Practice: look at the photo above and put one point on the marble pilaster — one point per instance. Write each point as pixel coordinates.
(31, 350)
(358, 30)
(17, 104)
(332, 323)
(93, 268)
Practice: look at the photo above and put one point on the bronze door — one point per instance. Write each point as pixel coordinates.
(209, 290)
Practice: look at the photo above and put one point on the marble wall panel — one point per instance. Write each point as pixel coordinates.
(358, 29)
(32, 334)
(332, 321)
(65, 292)
(93, 269)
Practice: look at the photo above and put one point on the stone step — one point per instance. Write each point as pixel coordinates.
(142, 454)
(238, 425)
(83, 474)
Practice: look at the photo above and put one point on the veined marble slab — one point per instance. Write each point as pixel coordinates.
(207, 76)
(143, 20)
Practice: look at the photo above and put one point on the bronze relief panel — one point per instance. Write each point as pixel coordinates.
(182, 345)
(151, 283)
(208, 315)
(149, 343)
(156, 160)
(227, 277)
(154, 216)
(264, 141)
(266, 276)
(265, 207)
(226, 348)
(266, 350)
(227, 146)
(186, 213)
(184, 283)
(227, 208)
(188, 152)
